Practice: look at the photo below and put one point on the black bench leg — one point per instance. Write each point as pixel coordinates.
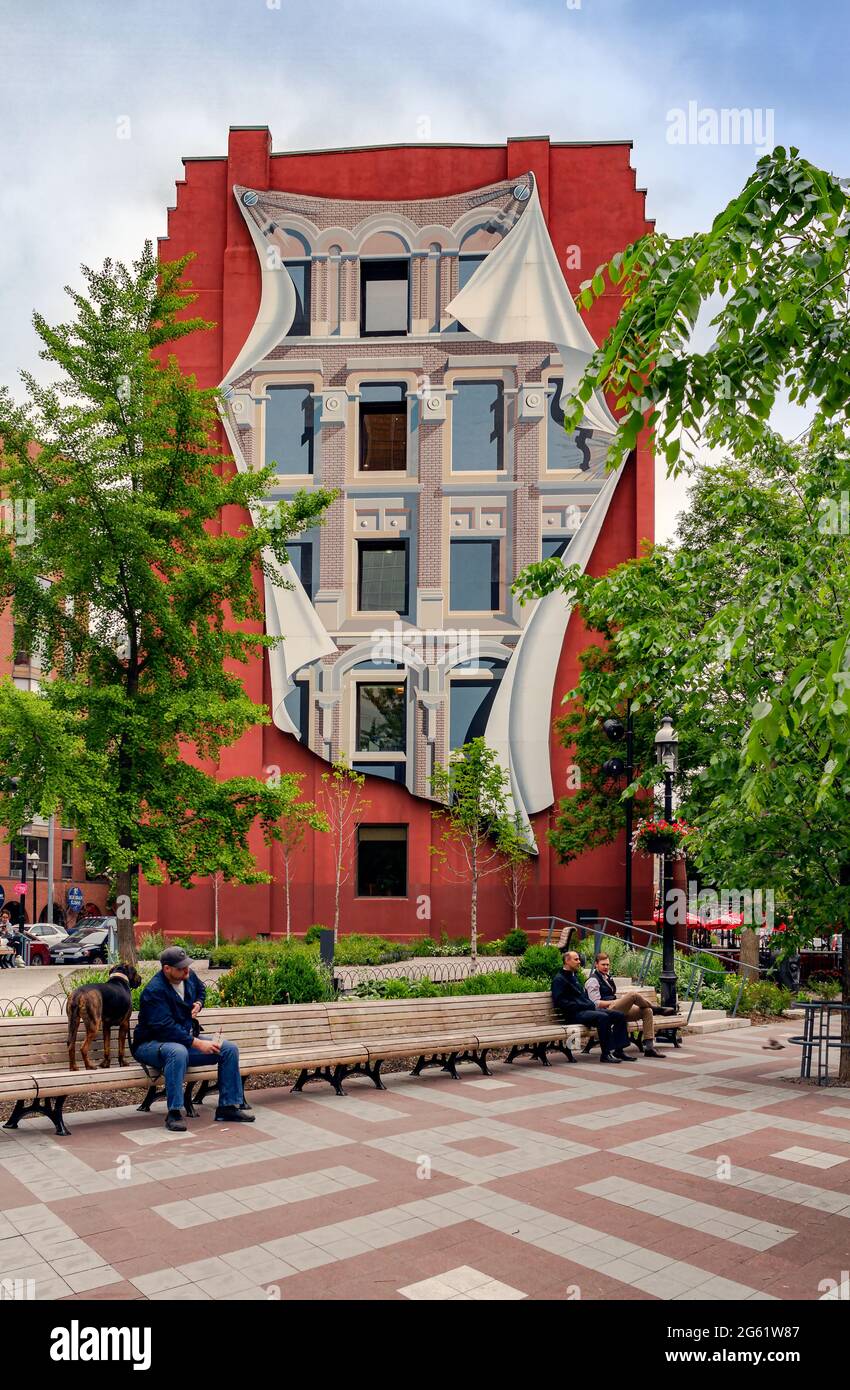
(187, 1100)
(588, 1047)
(203, 1088)
(514, 1052)
(539, 1051)
(150, 1096)
(481, 1059)
(374, 1072)
(420, 1063)
(17, 1114)
(450, 1065)
(53, 1109)
(333, 1075)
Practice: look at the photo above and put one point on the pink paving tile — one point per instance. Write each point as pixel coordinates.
(480, 1148)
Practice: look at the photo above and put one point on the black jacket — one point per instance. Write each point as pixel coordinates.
(163, 1015)
(569, 995)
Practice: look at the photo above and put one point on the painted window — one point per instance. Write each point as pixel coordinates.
(382, 861)
(381, 718)
(563, 450)
(466, 268)
(299, 274)
(474, 576)
(393, 772)
(34, 844)
(384, 298)
(383, 427)
(470, 703)
(553, 547)
(297, 704)
(290, 429)
(478, 427)
(382, 577)
(67, 858)
(301, 558)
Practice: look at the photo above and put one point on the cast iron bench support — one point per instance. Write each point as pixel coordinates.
(539, 1050)
(50, 1107)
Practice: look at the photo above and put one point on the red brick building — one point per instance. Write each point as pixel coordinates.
(396, 323)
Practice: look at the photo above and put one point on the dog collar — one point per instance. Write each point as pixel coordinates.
(119, 975)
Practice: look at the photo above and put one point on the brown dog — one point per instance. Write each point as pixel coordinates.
(102, 1006)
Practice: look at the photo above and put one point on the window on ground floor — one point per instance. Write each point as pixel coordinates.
(382, 861)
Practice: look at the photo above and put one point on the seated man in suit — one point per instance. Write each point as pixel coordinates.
(169, 1039)
(602, 993)
(575, 1006)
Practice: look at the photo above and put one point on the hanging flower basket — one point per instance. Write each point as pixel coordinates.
(661, 837)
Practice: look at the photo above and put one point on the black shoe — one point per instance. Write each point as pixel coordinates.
(246, 1108)
(621, 1056)
(609, 1057)
(174, 1121)
(234, 1115)
(650, 1051)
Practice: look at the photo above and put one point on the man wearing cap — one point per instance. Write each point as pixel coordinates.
(166, 1039)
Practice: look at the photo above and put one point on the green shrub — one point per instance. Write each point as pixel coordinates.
(497, 982)
(313, 933)
(357, 949)
(516, 943)
(292, 977)
(492, 948)
(828, 989)
(714, 997)
(540, 963)
(198, 950)
(762, 997)
(151, 945)
(425, 946)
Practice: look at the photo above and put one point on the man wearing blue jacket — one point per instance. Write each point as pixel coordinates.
(166, 1039)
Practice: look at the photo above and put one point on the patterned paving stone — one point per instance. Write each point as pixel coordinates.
(528, 1183)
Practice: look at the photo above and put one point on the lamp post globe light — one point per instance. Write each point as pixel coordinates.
(667, 757)
(615, 768)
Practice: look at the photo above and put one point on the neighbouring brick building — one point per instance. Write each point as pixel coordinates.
(397, 323)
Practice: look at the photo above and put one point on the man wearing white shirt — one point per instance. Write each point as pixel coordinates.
(603, 992)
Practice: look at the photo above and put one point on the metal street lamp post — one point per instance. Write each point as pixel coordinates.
(615, 767)
(33, 861)
(667, 757)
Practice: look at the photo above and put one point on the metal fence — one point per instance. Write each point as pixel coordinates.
(440, 972)
(36, 1006)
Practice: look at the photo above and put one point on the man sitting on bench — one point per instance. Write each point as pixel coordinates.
(169, 1039)
(602, 993)
(575, 1006)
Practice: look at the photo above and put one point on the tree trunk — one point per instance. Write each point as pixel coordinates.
(473, 918)
(844, 1052)
(336, 894)
(748, 961)
(124, 914)
(288, 914)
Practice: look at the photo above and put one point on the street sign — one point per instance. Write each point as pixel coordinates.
(74, 899)
(21, 890)
(2, 895)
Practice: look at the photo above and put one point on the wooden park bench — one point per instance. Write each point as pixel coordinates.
(322, 1042)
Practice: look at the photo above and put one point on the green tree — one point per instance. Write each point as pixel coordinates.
(778, 259)
(302, 817)
(341, 807)
(473, 818)
(700, 630)
(137, 593)
(515, 841)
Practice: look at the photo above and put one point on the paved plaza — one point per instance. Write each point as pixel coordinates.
(709, 1176)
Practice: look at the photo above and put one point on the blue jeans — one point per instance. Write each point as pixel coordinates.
(173, 1059)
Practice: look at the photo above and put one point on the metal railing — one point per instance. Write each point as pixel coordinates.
(35, 1006)
(598, 927)
(449, 971)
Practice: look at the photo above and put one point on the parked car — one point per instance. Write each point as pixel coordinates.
(47, 932)
(91, 946)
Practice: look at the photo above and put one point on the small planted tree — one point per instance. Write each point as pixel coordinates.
(342, 806)
(473, 817)
(303, 817)
(137, 600)
(517, 850)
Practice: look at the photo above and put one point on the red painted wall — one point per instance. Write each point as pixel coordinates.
(591, 202)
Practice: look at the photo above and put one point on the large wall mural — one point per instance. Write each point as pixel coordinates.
(413, 355)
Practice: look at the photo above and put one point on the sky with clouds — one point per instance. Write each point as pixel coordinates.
(78, 75)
